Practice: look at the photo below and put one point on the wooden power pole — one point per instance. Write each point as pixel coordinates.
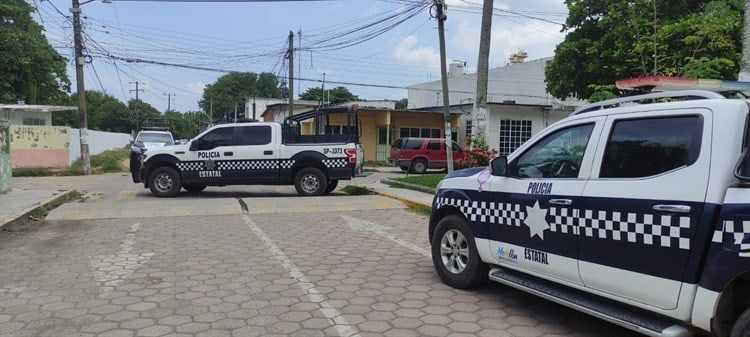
(479, 115)
(290, 53)
(81, 95)
(441, 17)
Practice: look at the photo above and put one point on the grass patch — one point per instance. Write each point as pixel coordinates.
(105, 162)
(429, 180)
(355, 190)
(32, 172)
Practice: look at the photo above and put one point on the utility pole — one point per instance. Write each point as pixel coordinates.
(323, 94)
(290, 53)
(137, 114)
(745, 61)
(169, 101)
(479, 118)
(81, 95)
(441, 17)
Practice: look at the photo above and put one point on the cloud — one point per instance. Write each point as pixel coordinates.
(195, 87)
(509, 34)
(406, 52)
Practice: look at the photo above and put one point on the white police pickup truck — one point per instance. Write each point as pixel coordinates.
(256, 153)
(638, 214)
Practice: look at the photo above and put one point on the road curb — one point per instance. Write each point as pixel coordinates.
(396, 197)
(37, 211)
(402, 184)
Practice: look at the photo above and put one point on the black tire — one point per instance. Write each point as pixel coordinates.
(331, 186)
(418, 166)
(194, 187)
(310, 181)
(741, 326)
(165, 182)
(455, 256)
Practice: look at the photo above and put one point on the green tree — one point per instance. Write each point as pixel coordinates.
(145, 111)
(332, 96)
(402, 104)
(31, 69)
(230, 90)
(611, 39)
(104, 113)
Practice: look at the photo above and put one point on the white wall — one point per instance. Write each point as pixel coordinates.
(99, 141)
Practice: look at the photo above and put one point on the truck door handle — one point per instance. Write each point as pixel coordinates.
(564, 202)
(228, 153)
(671, 208)
(268, 152)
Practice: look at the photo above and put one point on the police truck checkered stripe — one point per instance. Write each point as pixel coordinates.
(237, 165)
(336, 162)
(190, 166)
(739, 232)
(664, 231)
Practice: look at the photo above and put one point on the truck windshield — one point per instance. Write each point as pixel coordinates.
(154, 138)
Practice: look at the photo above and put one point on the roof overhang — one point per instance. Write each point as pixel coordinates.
(667, 83)
(35, 108)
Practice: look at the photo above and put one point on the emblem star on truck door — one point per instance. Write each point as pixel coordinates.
(535, 220)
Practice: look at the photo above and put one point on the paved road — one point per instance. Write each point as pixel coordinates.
(247, 261)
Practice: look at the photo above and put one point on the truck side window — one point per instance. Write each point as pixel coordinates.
(217, 137)
(255, 135)
(649, 146)
(434, 144)
(412, 144)
(557, 155)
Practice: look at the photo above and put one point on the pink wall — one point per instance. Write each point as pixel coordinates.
(38, 157)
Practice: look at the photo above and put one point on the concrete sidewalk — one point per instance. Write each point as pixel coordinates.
(20, 205)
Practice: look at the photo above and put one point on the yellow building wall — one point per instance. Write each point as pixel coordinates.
(39, 146)
(371, 120)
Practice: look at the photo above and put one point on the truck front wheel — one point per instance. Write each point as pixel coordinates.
(742, 325)
(164, 182)
(310, 181)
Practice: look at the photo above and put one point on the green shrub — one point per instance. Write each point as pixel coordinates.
(31, 172)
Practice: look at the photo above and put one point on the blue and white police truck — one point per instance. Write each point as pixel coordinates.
(257, 153)
(635, 210)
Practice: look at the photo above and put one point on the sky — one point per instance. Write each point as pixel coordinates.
(374, 48)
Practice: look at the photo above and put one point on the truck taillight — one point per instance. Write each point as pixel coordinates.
(351, 154)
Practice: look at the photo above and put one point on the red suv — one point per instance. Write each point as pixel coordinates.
(419, 154)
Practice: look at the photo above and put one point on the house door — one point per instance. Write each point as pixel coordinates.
(383, 144)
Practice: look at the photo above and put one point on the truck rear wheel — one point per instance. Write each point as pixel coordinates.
(310, 181)
(331, 186)
(164, 182)
(418, 166)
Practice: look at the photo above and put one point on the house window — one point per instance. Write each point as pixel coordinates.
(338, 129)
(419, 132)
(513, 133)
(34, 121)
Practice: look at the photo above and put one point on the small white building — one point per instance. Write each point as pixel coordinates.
(518, 103)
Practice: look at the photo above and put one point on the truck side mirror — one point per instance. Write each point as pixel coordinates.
(195, 144)
(499, 166)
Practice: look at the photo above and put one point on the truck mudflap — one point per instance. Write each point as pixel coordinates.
(729, 255)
